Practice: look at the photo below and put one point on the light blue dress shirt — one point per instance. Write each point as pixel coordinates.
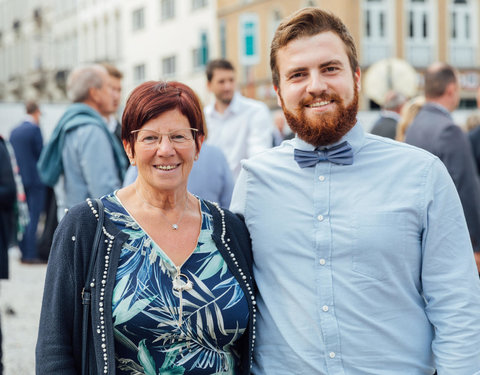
(361, 269)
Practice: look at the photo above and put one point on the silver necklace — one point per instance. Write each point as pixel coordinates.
(174, 225)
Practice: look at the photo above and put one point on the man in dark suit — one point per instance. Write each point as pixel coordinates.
(386, 125)
(27, 143)
(474, 134)
(7, 203)
(433, 129)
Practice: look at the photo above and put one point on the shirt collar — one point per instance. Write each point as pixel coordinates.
(29, 118)
(355, 136)
(390, 114)
(439, 107)
(233, 107)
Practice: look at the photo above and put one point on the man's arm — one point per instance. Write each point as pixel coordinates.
(227, 185)
(239, 195)
(260, 130)
(450, 282)
(37, 142)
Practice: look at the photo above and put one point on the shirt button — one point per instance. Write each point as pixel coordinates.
(320, 217)
(331, 355)
(322, 262)
(321, 178)
(325, 308)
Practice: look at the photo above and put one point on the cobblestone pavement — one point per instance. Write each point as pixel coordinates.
(22, 293)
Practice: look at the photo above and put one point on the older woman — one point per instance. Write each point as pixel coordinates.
(172, 291)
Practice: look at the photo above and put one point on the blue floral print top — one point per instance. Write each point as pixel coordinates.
(173, 320)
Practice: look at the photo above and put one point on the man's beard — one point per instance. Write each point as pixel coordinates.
(326, 128)
(225, 98)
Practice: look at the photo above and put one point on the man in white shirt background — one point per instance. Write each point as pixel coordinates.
(239, 126)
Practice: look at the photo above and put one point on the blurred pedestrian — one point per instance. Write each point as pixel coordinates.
(239, 126)
(83, 159)
(211, 178)
(362, 258)
(172, 291)
(27, 142)
(434, 130)
(408, 113)
(7, 205)
(386, 125)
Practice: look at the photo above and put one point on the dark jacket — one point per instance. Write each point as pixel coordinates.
(27, 143)
(7, 202)
(58, 348)
(433, 130)
(385, 126)
(474, 136)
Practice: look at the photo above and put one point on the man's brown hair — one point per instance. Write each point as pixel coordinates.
(437, 77)
(151, 99)
(309, 22)
(31, 107)
(217, 64)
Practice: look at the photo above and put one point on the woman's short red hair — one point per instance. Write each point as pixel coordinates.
(150, 99)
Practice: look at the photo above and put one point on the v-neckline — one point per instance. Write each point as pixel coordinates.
(158, 247)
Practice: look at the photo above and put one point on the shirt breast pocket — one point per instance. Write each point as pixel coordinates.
(378, 244)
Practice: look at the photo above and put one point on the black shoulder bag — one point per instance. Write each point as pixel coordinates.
(86, 291)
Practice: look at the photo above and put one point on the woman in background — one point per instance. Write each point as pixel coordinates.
(409, 111)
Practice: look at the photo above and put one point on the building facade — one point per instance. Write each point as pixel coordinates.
(41, 41)
(418, 31)
(170, 40)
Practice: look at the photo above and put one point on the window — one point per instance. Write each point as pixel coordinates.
(167, 9)
(138, 19)
(200, 54)
(378, 24)
(463, 34)
(168, 66)
(197, 4)
(138, 74)
(420, 39)
(249, 49)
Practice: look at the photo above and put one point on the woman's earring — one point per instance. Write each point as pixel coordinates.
(132, 162)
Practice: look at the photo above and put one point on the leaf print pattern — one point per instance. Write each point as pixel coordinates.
(149, 336)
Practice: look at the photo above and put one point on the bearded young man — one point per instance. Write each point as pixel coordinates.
(363, 260)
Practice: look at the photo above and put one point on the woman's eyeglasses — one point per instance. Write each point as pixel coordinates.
(178, 138)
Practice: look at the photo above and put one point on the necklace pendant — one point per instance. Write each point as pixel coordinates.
(174, 226)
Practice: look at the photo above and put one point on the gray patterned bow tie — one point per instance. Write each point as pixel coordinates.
(339, 154)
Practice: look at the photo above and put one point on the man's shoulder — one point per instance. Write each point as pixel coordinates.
(395, 149)
(24, 126)
(270, 156)
(249, 103)
(432, 116)
(208, 109)
(85, 130)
